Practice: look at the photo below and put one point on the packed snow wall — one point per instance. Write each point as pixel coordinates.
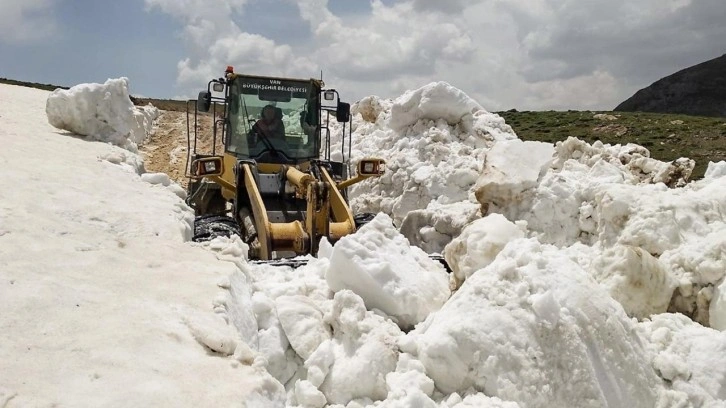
(101, 112)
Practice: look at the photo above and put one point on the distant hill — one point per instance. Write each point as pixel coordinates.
(699, 90)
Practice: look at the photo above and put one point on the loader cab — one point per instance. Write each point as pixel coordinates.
(294, 107)
(299, 131)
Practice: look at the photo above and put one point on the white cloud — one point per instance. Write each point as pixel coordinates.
(26, 21)
(526, 54)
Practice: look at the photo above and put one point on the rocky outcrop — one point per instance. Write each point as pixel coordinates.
(698, 90)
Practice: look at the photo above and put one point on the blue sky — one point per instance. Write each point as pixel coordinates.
(96, 40)
(527, 54)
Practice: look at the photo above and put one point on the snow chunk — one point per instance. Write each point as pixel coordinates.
(303, 323)
(156, 178)
(437, 100)
(355, 362)
(479, 244)
(715, 170)
(125, 158)
(717, 309)
(212, 332)
(431, 229)
(692, 358)
(102, 112)
(512, 167)
(522, 327)
(378, 264)
(308, 396)
(636, 279)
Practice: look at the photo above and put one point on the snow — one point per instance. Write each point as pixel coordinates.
(690, 357)
(378, 264)
(101, 112)
(715, 170)
(512, 168)
(479, 244)
(433, 140)
(567, 260)
(533, 327)
(636, 279)
(98, 287)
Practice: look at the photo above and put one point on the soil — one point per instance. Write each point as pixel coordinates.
(166, 149)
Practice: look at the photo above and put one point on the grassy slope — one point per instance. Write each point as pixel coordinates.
(668, 137)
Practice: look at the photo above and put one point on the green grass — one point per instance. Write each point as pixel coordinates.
(702, 139)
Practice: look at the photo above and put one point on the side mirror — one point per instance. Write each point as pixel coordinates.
(204, 101)
(207, 166)
(329, 95)
(218, 87)
(342, 113)
(371, 167)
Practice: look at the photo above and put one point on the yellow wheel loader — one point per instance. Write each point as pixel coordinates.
(274, 184)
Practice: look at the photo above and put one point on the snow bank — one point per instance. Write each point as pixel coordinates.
(101, 112)
(103, 301)
(534, 328)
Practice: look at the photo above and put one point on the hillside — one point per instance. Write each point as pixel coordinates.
(698, 90)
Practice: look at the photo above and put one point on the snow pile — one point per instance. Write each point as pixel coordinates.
(559, 203)
(433, 140)
(650, 243)
(529, 327)
(533, 327)
(102, 112)
(333, 344)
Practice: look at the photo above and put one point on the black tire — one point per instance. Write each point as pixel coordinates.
(363, 219)
(208, 227)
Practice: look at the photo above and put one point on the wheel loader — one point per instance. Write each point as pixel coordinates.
(273, 182)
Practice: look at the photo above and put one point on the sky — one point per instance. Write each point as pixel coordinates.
(522, 54)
